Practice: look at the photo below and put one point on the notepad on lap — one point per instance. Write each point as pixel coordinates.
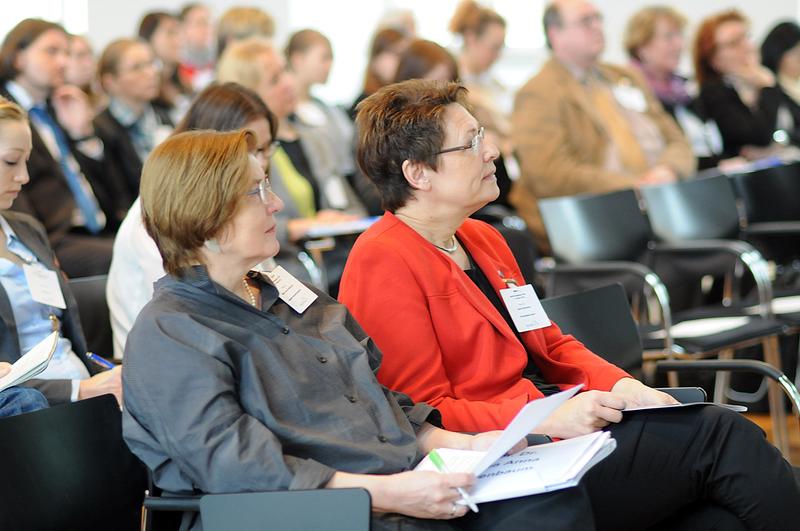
(31, 363)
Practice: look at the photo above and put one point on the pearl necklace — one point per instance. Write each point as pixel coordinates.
(453, 247)
(249, 292)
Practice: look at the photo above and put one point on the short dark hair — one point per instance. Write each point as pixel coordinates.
(226, 107)
(400, 122)
(18, 39)
(551, 19)
(778, 41)
(421, 57)
(151, 21)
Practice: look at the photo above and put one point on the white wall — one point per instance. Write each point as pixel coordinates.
(349, 25)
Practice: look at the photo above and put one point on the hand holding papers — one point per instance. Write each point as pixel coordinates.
(535, 470)
(31, 363)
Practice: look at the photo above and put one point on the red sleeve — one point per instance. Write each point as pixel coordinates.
(379, 288)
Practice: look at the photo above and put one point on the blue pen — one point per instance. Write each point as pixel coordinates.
(100, 361)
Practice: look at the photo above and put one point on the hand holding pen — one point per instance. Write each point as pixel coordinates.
(440, 465)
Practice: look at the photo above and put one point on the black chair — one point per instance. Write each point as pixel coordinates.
(330, 509)
(607, 238)
(771, 221)
(90, 294)
(67, 467)
(601, 319)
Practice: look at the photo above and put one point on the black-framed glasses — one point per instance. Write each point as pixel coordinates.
(263, 191)
(474, 145)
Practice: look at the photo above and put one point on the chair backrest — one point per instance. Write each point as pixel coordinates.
(595, 227)
(329, 509)
(90, 294)
(770, 194)
(67, 467)
(697, 209)
(601, 319)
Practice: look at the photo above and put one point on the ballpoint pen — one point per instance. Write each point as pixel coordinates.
(438, 462)
(100, 361)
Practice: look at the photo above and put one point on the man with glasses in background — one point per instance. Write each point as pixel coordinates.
(581, 126)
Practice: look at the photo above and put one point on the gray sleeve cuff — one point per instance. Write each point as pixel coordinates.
(308, 474)
(421, 413)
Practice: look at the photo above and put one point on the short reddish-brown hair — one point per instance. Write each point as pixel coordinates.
(403, 121)
(705, 44)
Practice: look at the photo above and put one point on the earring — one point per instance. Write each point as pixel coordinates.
(212, 245)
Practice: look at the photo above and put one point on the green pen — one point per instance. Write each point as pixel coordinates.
(438, 462)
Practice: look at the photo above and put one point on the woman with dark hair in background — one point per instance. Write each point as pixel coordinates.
(384, 54)
(81, 70)
(162, 31)
(196, 69)
(424, 59)
(780, 52)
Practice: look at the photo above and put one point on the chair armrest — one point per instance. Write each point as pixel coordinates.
(743, 251)
(772, 228)
(172, 503)
(759, 367)
(685, 395)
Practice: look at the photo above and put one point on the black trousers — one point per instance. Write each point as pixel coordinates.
(690, 469)
(693, 468)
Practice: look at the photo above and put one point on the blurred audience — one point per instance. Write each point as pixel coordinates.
(72, 188)
(196, 69)
(239, 23)
(731, 80)
(581, 126)
(654, 40)
(780, 52)
(424, 59)
(162, 31)
(384, 55)
(132, 125)
(81, 70)
(400, 19)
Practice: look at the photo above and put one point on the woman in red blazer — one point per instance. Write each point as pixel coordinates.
(424, 282)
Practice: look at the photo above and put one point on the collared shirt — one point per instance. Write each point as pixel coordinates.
(33, 318)
(144, 128)
(222, 397)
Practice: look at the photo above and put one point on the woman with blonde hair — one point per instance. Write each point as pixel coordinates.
(35, 299)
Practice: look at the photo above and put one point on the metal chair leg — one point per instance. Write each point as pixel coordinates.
(777, 410)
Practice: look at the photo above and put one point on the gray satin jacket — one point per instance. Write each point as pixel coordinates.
(222, 397)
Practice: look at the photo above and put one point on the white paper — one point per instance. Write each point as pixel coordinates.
(291, 291)
(523, 423)
(31, 363)
(44, 286)
(535, 470)
(630, 97)
(525, 308)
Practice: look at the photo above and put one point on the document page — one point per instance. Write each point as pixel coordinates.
(31, 363)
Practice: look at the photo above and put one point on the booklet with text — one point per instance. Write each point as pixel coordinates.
(537, 469)
(31, 363)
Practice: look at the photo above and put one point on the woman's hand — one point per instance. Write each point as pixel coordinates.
(103, 383)
(584, 413)
(637, 394)
(414, 493)
(73, 111)
(4, 368)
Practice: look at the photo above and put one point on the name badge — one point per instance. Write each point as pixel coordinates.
(290, 290)
(44, 286)
(630, 97)
(525, 309)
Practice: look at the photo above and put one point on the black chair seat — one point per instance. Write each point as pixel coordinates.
(755, 328)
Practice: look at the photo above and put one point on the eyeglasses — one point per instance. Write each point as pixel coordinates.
(474, 145)
(263, 191)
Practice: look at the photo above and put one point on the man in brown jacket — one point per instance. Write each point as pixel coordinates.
(581, 127)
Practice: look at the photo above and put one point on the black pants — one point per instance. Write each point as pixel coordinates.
(693, 468)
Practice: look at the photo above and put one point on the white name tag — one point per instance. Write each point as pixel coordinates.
(290, 290)
(630, 97)
(44, 285)
(525, 309)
